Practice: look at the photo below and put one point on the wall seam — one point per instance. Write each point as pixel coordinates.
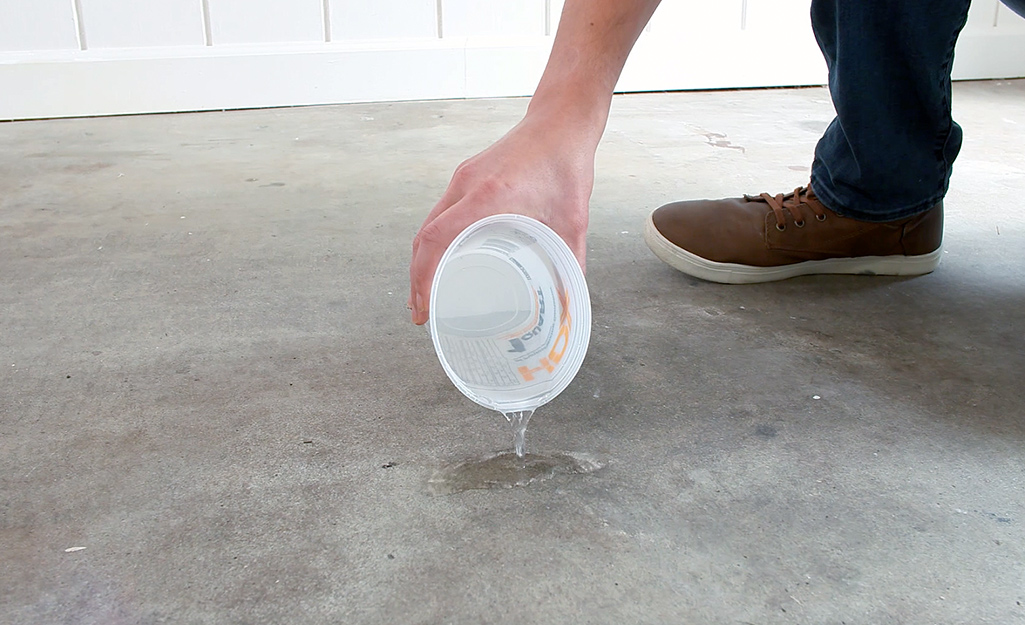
(208, 37)
(76, 15)
(327, 21)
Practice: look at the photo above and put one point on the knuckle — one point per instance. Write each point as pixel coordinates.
(484, 191)
(429, 234)
(463, 171)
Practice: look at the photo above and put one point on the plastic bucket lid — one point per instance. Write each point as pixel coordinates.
(510, 314)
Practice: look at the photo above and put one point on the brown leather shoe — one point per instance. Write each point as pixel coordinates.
(765, 238)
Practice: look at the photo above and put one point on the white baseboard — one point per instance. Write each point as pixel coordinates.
(146, 81)
(984, 56)
(73, 83)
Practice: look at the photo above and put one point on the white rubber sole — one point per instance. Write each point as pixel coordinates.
(732, 273)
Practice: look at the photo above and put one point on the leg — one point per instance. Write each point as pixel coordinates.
(888, 153)
(880, 172)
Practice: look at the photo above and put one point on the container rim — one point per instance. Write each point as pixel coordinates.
(565, 262)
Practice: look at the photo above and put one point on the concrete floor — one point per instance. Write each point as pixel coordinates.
(210, 389)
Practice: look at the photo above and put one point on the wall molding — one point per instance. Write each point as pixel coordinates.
(75, 83)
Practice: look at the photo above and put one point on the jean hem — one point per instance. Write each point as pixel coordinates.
(833, 202)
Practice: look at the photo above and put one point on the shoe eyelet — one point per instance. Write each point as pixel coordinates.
(781, 228)
(799, 224)
(820, 217)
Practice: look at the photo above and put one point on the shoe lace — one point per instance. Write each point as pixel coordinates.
(791, 202)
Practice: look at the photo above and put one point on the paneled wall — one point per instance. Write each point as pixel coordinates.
(37, 25)
(87, 57)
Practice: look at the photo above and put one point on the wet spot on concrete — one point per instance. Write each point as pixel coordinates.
(507, 470)
(812, 125)
(765, 431)
(717, 140)
(997, 518)
(86, 168)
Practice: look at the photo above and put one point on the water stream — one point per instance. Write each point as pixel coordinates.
(519, 420)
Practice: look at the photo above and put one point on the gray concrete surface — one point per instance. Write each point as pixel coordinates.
(209, 383)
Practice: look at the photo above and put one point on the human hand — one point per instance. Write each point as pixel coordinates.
(542, 168)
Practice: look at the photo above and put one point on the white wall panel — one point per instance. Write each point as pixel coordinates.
(195, 82)
(136, 24)
(273, 53)
(753, 60)
(684, 46)
(672, 19)
(789, 18)
(992, 44)
(554, 12)
(37, 25)
(1009, 21)
(982, 15)
(521, 68)
(383, 19)
(487, 18)
(266, 21)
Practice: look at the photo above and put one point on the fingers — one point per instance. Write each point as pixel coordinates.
(581, 255)
(428, 247)
(453, 193)
(574, 233)
(448, 199)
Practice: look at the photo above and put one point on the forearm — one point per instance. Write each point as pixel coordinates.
(590, 49)
(544, 167)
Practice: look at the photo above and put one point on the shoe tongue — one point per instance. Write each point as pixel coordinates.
(800, 196)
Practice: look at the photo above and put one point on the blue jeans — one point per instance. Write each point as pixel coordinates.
(889, 151)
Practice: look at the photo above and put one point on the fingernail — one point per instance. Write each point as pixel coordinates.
(420, 304)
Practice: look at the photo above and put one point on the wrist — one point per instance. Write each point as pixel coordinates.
(572, 110)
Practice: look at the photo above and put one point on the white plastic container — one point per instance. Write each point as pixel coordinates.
(510, 314)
